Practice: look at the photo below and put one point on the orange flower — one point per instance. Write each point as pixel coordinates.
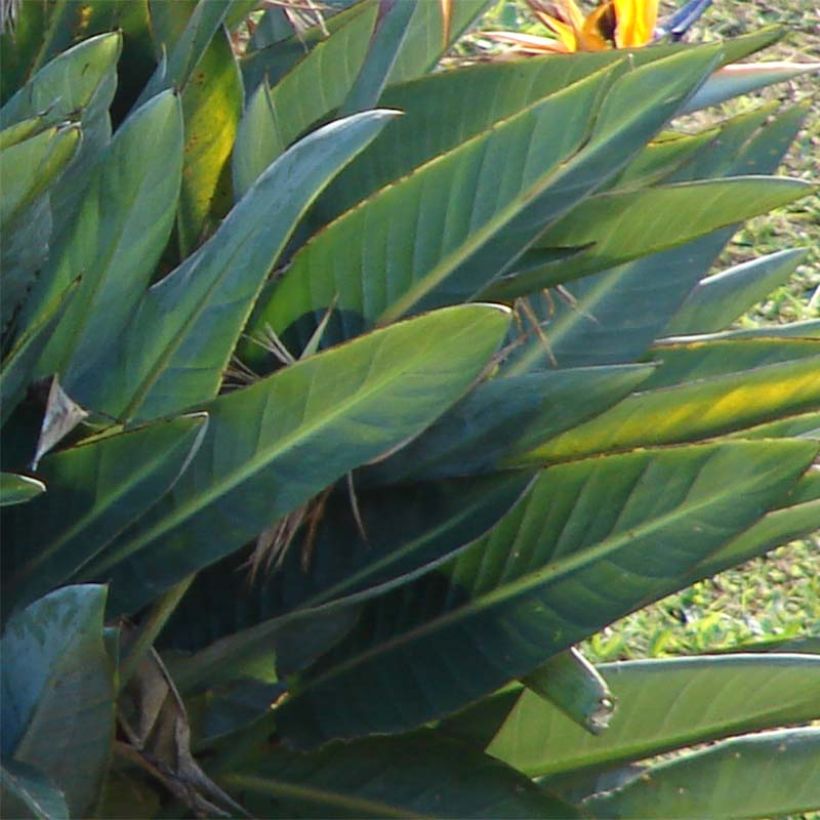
(612, 24)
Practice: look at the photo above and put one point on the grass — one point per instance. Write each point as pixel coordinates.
(776, 596)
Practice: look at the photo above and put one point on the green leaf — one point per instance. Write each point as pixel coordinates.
(532, 587)
(249, 658)
(802, 425)
(19, 131)
(178, 344)
(269, 60)
(400, 533)
(508, 415)
(507, 203)
(188, 50)
(662, 705)
(808, 329)
(752, 143)
(272, 446)
(690, 411)
(116, 240)
(317, 85)
(424, 775)
(212, 104)
(122, 476)
(431, 31)
(475, 190)
(576, 687)
(797, 517)
(735, 80)
(772, 774)
(24, 247)
(78, 84)
(58, 692)
(17, 489)
(720, 299)
(690, 360)
(662, 157)
(393, 26)
(67, 84)
(623, 225)
(18, 366)
(47, 154)
(614, 316)
(24, 790)
(444, 109)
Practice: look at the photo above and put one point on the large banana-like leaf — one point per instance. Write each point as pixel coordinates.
(766, 775)
(493, 194)
(393, 535)
(47, 153)
(444, 109)
(690, 411)
(624, 225)
(274, 118)
(179, 342)
(661, 705)
(117, 238)
(77, 85)
(58, 692)
(67, 84)
(424, 775)
(212, 104)
(752, 143)
(272, 446)
(720, 299)
(615, 315)
(506, 415)
(124, 475)
(403, 247)
(590, 542)
(389, 537)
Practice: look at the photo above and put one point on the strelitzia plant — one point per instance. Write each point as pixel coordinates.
(495, 367)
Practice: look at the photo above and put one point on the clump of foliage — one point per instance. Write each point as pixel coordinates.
(342, 399)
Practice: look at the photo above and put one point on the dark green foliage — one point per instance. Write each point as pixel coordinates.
(342, 400)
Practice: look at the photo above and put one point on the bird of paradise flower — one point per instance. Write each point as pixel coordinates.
(611, 24)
